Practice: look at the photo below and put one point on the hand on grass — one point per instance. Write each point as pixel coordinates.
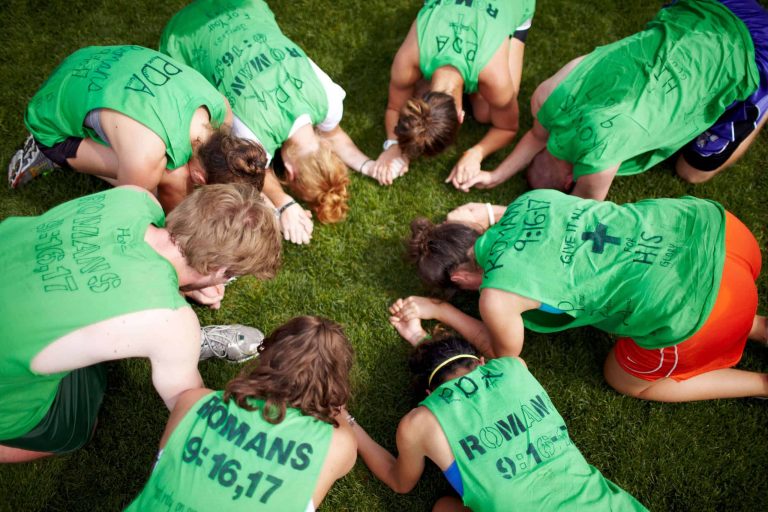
(470, 213)
(465, 169)
(391, 164)
(414, 306)
(210, 296)
(296, 224)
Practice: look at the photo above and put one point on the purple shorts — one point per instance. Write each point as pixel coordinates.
(715, 146)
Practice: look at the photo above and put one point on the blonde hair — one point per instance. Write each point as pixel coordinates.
(321, 180)
(227, 226)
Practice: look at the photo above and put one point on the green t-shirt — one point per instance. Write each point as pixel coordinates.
(512, 446)
(239, 47)
(650, 270)
(466, 34)
(222, 457)
(639, 100)
(80, 263)
(145, 85)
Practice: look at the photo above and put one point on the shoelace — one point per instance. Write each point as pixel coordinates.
(217, 338)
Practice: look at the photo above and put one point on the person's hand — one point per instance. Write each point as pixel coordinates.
(210, 296)
(470, 213)
(414, 306)
(465, 169)
(391, 164)
(481, 180)
(410, 330)
(296, 224)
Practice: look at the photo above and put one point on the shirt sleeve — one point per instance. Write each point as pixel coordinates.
(335, 95)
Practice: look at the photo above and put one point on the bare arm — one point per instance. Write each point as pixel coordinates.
(402, 473)
(404, 75)
(407, 314)
(343, 145)
(141, 158)
(597, 185)
(502, 314)
(174, 358)
(295, 221)
(498, 89)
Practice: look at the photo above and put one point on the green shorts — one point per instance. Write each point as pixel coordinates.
(69, 423)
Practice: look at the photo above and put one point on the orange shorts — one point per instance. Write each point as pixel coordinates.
(719, 343)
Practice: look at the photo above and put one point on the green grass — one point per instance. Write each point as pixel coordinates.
(700, 456)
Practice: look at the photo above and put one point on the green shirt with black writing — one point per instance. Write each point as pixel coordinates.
(238, 46)
(222, 457)
(142, 84)
(78, 264)
(512, 447)
(649, 270)
(637, 101)
(466, 34)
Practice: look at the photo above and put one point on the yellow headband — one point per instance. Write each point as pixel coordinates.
(446, 362)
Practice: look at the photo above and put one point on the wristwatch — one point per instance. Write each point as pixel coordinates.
(389, 143)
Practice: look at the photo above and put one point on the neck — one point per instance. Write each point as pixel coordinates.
(160, 241)
(448, 80)
(305, 139)
(200, 128)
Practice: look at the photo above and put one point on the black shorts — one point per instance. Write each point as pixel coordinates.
(69, 423)
(59, 153)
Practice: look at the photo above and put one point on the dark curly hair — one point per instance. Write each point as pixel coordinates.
(305, 364)
(229, 159)
(439, 249)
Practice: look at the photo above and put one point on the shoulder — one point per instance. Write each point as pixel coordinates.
(545, 88)
(417, 422)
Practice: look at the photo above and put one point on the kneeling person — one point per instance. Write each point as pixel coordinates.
(98, 279)
(533, 467)
(270, 440)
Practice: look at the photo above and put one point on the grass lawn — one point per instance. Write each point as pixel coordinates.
(699, 456)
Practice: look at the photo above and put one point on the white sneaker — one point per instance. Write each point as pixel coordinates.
(233, 343)
(28, 163)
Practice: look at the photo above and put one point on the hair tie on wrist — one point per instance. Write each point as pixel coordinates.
(285, 207)
(426, 337)
(491, 216)
(360, 170)
(351, 420)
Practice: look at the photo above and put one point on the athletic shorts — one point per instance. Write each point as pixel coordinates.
(69, 423)
(59, 153)
(719, 343)
(714, 147)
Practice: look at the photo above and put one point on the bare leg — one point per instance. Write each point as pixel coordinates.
(693, 175)
(94, 158)
(8, 455)
(449, 504)
(725, 383)
(481, 111)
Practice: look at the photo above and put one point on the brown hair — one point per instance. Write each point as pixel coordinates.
(548, 171)
(427, 125)
(227, 226)
(438, 250)
(229, 159)
(305, 364)
(321, 180)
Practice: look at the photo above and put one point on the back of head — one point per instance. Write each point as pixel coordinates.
(438, 250)
(229, 159)
(547, 171)
(227, 226)
(431, 364)
(321, 180)
(305, 364)
(427, 125)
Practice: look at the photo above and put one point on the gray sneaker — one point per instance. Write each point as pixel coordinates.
(28, 163)
(233, 343)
